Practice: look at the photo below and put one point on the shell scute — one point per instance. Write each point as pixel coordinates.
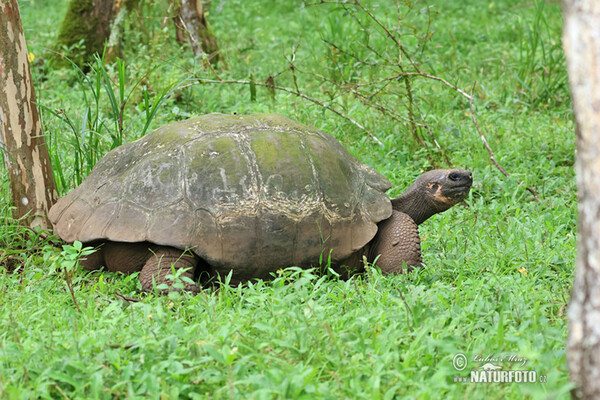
(253, 193)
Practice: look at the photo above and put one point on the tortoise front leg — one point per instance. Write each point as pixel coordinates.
(397, 243)
(168, 260)
(117, 256)
(93, 261)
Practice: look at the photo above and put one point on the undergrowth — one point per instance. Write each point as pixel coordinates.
(498, 268)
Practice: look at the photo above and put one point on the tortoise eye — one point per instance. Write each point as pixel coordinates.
(454, 176)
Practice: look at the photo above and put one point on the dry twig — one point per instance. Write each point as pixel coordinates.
(437, 78)
(126, 298)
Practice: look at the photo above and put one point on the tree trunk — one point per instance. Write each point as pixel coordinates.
(25, 152)
(581, 39)
(90, 21)
(191, 23)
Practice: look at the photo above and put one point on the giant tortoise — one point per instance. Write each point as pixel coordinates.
(248, 194)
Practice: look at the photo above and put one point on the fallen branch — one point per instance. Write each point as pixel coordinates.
(489, 149)
(126, 298)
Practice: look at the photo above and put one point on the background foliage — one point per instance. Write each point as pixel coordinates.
(498, 269)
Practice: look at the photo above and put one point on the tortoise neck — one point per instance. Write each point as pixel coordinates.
(413, 203)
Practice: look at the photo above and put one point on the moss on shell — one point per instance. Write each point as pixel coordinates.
(237, 189)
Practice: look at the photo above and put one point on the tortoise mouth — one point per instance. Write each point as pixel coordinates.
(461, 188)
(457, 192)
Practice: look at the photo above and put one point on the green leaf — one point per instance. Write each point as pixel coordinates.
(215, 354)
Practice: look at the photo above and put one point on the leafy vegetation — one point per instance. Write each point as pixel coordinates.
(498, 269)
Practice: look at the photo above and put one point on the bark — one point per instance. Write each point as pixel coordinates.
(25, 152)
(89, 21)
(191, 23)
(581, 40)
(117, 28)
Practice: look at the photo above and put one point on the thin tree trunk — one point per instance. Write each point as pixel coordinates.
(191, 23)
(25, 152)
(581, 40)
(90, 21)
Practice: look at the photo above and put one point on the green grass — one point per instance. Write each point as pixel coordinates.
(498, 267)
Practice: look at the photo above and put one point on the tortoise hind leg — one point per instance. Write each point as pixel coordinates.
(398, 244)
(167, 261)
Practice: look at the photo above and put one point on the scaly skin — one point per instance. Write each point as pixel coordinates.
(397, 246)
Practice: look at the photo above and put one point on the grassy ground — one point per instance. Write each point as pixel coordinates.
(498, 268)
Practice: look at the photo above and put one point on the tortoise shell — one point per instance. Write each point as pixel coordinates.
(252, 193)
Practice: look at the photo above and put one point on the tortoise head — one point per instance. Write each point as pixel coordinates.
(434, 192)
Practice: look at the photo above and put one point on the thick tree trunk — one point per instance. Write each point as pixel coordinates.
(25, 152)
(581, 39)
(90, 21)
(191, 23)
